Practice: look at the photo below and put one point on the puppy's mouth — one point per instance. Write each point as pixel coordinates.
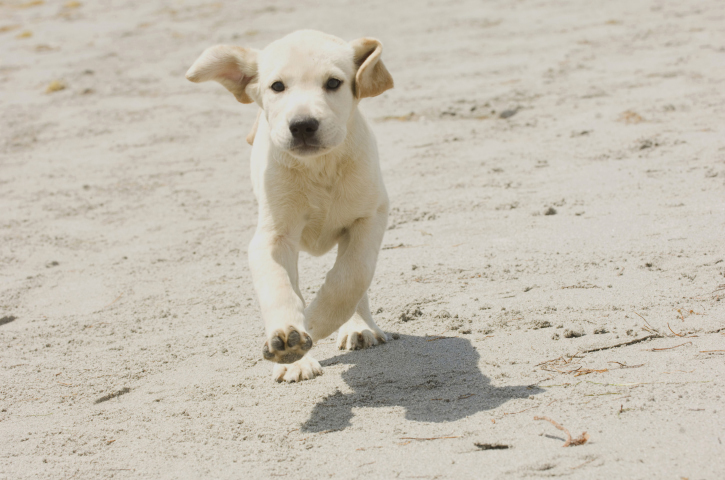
(306, 148)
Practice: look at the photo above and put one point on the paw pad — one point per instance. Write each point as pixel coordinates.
(287, 346)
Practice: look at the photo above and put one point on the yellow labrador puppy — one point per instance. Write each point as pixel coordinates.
(317, 178)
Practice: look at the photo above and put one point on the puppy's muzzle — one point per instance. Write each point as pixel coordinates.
(303, 128)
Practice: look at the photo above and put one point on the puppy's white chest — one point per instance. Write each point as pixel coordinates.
(330, 211)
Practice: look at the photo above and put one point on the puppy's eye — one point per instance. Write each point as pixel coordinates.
(278, 87)
(333, 84)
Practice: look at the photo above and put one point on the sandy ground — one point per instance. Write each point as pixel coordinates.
(130, 336)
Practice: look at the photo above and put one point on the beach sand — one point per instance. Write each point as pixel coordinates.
(556, 246)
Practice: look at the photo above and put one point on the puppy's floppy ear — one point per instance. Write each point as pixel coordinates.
(234, 67)
(372, 77)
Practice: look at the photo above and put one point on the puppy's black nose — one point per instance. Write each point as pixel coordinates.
(303, 127)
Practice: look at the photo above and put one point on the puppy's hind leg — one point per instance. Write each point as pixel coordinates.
(360, 331)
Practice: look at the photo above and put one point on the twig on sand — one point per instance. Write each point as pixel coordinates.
(491, 446)
(648, 383)
(462, 397)
(714, 293)
(402, 245)
(632, 342)
(586, 371)
(580, 440)
(522, 411)
(585, 463)
(624, 365)
(429, 438)
(711, 351)
(684, 335)
(108, 397)
(677, 334)
(668, 348)
(560, 360)
(565, 385)
(556, 365)
(117, 299)
(645, 320)
(649, 327)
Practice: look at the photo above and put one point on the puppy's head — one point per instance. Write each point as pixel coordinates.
(308, 84)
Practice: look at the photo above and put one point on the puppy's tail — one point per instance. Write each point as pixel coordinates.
(253, 132)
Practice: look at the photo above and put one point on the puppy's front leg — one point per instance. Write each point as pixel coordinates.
(273, 262)
(350, 277)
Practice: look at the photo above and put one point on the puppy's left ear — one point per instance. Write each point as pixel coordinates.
(372, 78)
(232, 66)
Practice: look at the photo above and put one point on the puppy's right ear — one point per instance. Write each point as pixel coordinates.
(233, 67)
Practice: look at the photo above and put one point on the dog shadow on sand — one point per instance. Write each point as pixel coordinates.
(434, 380)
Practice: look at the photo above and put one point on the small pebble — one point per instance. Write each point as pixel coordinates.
(572, 333)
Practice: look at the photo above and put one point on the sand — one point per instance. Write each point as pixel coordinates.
(557, 176)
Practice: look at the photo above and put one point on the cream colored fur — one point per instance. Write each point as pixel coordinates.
(328, 191)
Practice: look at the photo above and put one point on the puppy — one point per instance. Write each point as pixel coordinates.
(317, 179)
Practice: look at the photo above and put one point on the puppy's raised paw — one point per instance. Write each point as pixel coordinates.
(305, 369)
(286, 345)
